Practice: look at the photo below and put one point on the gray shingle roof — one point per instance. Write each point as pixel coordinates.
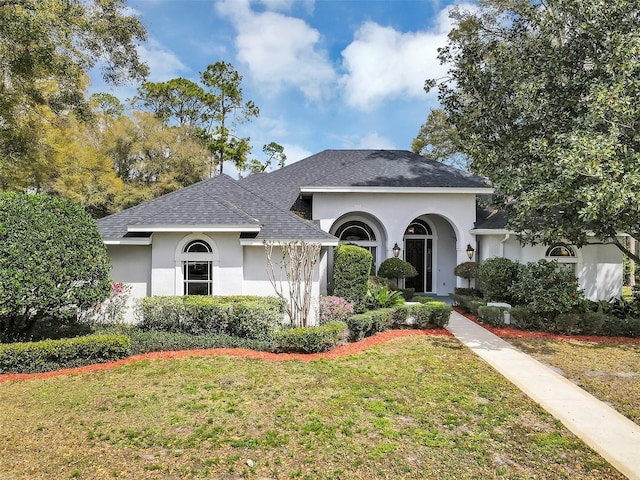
(357, 168)
(219, 201)
(490, 219)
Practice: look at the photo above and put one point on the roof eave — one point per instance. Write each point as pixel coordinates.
(253, 242)
(380, 189)
(127, 241)
(192, 228)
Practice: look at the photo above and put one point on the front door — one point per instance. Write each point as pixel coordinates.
(418, 252)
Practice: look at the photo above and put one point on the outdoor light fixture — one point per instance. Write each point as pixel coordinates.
(470, 251)
(396, 250)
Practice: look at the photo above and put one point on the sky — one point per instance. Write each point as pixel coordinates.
(326, 74)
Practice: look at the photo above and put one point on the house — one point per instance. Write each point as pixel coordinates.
(208, 238)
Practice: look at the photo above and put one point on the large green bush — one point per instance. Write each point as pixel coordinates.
(546, 289)
(495, 277)
(250, 317)
(369, 323)
(351, 269)
(53, 262)
(396, 268)
(47, 355)
(311, 339)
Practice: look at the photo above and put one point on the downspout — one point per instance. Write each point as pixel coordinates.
(506, 237)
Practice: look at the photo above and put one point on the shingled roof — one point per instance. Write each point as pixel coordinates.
(217, 202)
(360, 168)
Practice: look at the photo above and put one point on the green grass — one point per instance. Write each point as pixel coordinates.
(414, 408)
(609, 371)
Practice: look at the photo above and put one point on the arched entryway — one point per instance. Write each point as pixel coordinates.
(419, 252)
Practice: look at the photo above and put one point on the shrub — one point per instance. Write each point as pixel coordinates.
(469, 292)
(567, 323)
(592, 323)
(47, 355)
(524, 318)
(407, 293)
(425, 315)
(383, 297)
(366, 324)
(546, 289)
(466, 270)
(495, 276)
(334, 309)
(493, 316)
(112, 310)
(351, 268)
(53, 262)
(255, 318)
(311, 339)
(396, 268)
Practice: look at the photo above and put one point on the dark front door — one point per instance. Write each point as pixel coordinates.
(418, 252)
(414, 254)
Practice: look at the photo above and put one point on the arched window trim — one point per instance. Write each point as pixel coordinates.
(206, 259)
(423, 224)
(191, 247)
(560, 251)
(357, 225)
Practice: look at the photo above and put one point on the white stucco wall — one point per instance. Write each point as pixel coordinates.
(452, 215)
(131, 264)
(599, 268)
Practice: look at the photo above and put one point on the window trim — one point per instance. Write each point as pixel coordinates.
(182, 256)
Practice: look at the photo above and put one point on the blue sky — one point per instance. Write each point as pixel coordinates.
(324, 73)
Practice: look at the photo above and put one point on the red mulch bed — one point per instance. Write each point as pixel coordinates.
(342, 351)
(506, 332)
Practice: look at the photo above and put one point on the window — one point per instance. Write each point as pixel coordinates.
(361, 234)
(197, 273)
(418, 227)
(564, 255)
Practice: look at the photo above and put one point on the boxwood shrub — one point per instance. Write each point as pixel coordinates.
(369, 323)
(493, 316)
(351, 269)
(249, 317)
(311, 339)
(48, 355)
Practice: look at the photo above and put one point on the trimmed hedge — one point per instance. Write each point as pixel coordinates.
(369, 323)
(467, 303)
(253, 318)
(431, 314)
(48, 355)
(351, 268)
(159, 341)
(311, 339)
(493, 316)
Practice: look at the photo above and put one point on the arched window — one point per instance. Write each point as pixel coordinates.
(359, 233)
(418, 227)
(355, 231)
(197, 272)
(564, 255)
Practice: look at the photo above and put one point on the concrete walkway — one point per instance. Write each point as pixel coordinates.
(612, 435)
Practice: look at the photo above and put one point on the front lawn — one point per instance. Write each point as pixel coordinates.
(416, 407)
(609, 371)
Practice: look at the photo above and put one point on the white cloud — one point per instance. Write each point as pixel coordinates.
(163, 63)
(375, 141)
(281, 51)
(382, 62)
(295, 153)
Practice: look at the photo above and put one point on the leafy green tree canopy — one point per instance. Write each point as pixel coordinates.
(545, 96)
(47, 47)
(53, 263)
(439, 140)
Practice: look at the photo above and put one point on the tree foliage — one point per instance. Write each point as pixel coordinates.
(396, 268)
(46, 49)
(438, 139)
(53, 263)
(545, 96)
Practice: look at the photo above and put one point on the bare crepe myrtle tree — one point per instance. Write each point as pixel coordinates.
(293, 271)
